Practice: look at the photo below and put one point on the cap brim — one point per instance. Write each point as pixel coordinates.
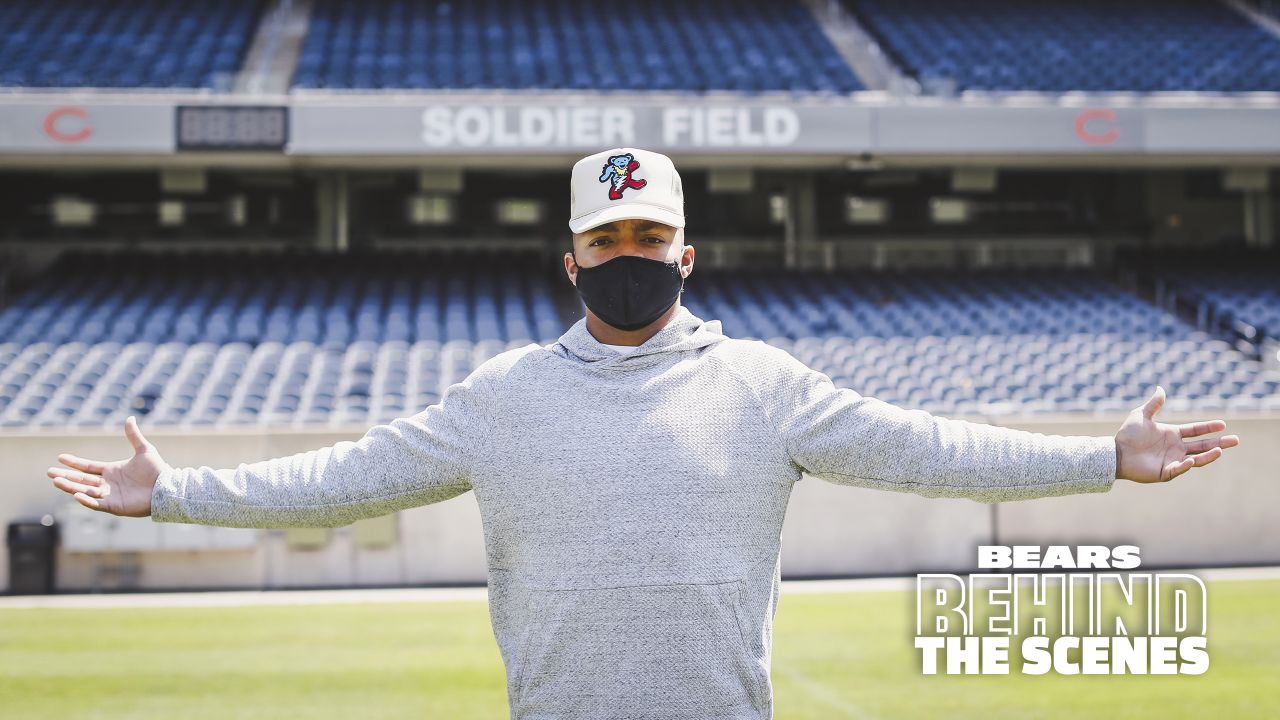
(626, 211)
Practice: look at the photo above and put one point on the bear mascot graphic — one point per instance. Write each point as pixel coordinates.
(617, 172)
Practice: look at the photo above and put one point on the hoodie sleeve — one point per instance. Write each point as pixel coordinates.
(843, 437)
(426, 458)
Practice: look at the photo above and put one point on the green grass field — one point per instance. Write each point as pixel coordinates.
(835, 656)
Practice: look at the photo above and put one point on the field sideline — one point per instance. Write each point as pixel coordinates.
(845, 653)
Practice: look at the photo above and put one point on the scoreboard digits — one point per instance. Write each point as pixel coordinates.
(232, 127)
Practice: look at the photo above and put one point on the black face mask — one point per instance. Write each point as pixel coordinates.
(630, 291)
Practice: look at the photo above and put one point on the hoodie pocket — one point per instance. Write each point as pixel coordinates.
(679, 646)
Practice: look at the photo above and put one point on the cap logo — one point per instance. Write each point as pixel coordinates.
(617, 172)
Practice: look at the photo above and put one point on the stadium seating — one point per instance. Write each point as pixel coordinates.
(124, 43)
(1240, 289)
(1086, 45)
(741, 45)
(991, 341)
(232, 339)
(304, 339)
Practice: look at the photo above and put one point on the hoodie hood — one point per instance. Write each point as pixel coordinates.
(685, 331)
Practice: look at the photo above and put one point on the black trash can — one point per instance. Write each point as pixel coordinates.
(32, 549)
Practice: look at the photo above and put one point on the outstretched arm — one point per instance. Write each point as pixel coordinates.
(408, 462)
(846, 438)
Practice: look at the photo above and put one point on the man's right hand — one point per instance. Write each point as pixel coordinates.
(122, 487)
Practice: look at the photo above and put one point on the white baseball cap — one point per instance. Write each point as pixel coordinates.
(625, 184)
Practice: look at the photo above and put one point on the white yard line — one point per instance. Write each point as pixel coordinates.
(393, 595)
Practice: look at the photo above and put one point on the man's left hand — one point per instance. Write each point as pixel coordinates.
(1149, 452)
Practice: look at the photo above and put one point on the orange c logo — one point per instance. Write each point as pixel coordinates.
(57, 130)
(1096, 138)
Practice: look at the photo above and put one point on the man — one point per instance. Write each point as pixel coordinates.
(633, 476)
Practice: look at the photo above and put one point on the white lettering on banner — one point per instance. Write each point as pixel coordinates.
(531, 126)
(538, 125)
(472, 127)
(584, 122)
(730, 126)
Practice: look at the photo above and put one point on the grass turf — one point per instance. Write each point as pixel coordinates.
(835, 655)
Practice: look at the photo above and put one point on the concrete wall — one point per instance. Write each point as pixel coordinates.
(1226, 513)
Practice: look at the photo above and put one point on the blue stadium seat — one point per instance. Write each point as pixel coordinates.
(125, 43)
(225, 339)
(982, 341)
(291, 339)
(742, 45)
(1241, 287)
(1076, 45)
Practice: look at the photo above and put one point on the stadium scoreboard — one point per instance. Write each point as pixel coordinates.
(232, 127)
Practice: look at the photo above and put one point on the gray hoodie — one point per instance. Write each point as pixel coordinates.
(632, 504)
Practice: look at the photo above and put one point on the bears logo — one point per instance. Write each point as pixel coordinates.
(617, 172)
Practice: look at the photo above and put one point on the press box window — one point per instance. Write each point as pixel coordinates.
(865, 210)
(69, 211)
(519, 211)
(430, 209)
(950, 211)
